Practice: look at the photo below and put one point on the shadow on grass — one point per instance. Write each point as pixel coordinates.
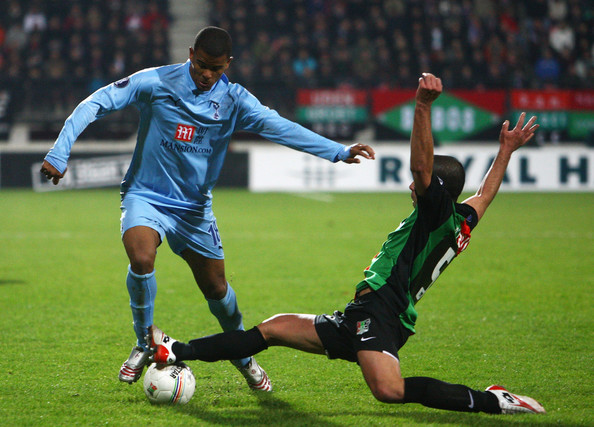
(274, 411)
(465, 419)
(11, 282)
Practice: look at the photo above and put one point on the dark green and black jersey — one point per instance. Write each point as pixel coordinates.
(415, 254)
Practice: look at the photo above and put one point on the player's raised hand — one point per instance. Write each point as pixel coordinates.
(360, 150)
(429, 89)
(513, 139)
(51, 172)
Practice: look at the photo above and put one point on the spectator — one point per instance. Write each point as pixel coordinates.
(557, 10)
(134, 17)
(547, 68)
(305, 64)
(15, 38)
(154, 17)
(561, 37)
(14, 11)
(117, 69)
(46, 41)
(34, 19)
(75, 20)
(317, 43)
(452, 31)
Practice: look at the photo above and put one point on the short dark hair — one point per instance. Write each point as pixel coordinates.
(451, 172)
(214, 41)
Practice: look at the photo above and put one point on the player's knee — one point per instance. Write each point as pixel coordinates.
(214, 290)
(211, 280)
(142, 263)
(271, 327)
(387, 393)
(212, 283)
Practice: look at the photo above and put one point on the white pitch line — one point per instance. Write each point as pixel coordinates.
(542, 235)
(318, 197)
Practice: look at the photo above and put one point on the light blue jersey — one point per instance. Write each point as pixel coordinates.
(184, 133)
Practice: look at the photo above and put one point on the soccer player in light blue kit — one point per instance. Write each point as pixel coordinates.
(188, 113)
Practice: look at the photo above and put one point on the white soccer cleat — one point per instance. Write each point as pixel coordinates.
(161, 346)
(131, 369)
(513, 404)
(256, 376)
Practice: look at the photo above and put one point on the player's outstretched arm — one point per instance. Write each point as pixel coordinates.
(51, 172)
(421, 138)
(509, 141)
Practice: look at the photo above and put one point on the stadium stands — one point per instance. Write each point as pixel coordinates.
(471, 44)
(53, 53)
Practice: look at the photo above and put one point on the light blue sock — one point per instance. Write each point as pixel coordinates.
(143, 290)
(227, 313)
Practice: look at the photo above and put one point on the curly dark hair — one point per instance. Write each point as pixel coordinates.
(214, 41)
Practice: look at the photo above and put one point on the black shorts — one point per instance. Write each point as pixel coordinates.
(368, 323)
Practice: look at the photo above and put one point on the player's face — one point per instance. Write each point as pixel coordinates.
(206, 70)
(413, 193)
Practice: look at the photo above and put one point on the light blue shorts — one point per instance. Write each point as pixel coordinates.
(183, 229)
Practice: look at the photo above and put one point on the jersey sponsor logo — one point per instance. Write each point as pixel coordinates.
(122, 83)
(363, 326)
(184, 148)
(200, 134)
(366, 338)
(185, 133)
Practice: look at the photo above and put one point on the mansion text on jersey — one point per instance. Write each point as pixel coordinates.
(185, 148)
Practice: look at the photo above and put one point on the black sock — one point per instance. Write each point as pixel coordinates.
(454, 397)
(225, 346)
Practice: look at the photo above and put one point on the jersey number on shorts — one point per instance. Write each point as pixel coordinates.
(214, 233)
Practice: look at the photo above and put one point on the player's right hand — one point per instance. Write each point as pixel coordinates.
(362, 150)
(51, 172)
(429, 89)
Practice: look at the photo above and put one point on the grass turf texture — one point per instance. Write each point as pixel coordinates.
(514, 309)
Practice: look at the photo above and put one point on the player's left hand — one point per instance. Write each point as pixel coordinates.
(362, 150)
(513, 139)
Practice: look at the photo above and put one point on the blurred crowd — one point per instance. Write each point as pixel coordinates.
(471, 44)
(54, 53)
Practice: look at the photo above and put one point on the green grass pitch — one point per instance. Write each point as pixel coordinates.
(515, 309)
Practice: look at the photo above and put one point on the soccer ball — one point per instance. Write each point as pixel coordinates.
(169, 384)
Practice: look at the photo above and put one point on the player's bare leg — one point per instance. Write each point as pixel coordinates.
(297, 331)
(209, 274)
(382, 374)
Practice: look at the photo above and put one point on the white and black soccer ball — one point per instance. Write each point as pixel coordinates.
(169, 384)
